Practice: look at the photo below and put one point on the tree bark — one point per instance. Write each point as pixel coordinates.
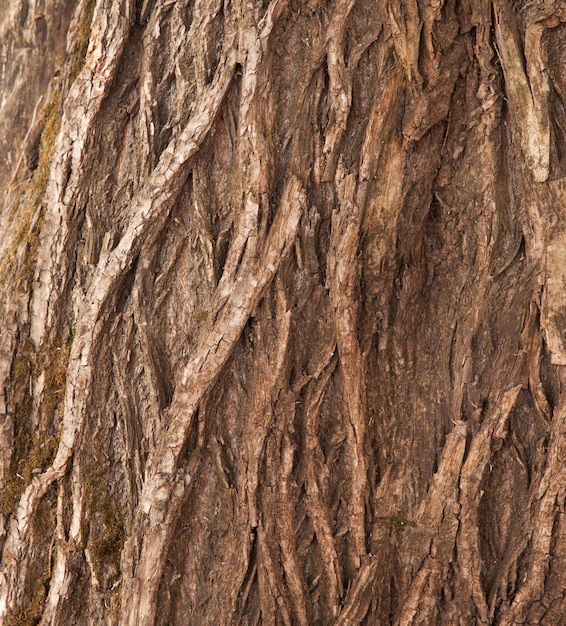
(283, 312)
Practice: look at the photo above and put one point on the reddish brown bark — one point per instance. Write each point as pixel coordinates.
(282, 333)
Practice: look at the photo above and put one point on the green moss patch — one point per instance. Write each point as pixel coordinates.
(53, 360)
(29, 615)
(37, 583)
(28, 214)
(104, 523)
(34, 452)
(35, 446)
(81, 45)
(401, 522)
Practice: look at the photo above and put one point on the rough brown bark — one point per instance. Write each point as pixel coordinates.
(283, 315)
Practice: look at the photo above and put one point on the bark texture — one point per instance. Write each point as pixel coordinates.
(283, 312)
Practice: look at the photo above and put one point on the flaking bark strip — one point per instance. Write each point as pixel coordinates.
(527, 90)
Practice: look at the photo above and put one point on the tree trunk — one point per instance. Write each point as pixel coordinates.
(283, 312)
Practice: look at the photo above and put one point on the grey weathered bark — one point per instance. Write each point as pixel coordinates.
(283, 316)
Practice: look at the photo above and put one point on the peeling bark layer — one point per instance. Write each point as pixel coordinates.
(283, 312)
